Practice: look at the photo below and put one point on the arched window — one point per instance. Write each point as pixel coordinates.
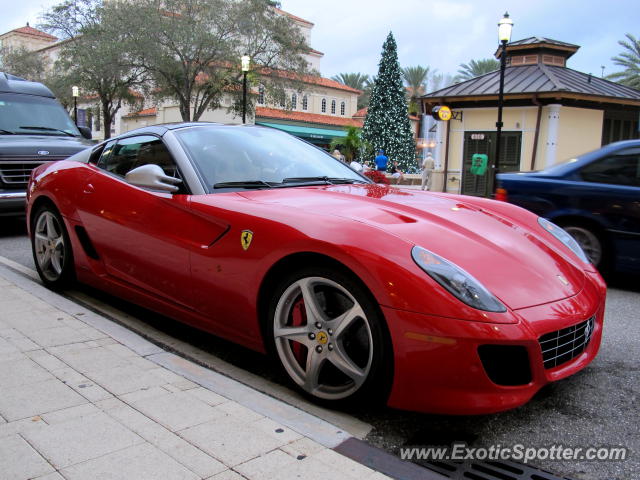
(333, 107)
(342, 108)
(294, 101)
(261, 94)
(283, 100)
(305, 103)
(324, 105)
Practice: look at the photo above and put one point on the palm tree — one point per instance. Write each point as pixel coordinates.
(415, 78)
(475, 68)
(353, 80)
(630, 60)
(359, 81)
(349, 145)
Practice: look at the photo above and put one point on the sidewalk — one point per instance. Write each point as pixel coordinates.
(84, 398)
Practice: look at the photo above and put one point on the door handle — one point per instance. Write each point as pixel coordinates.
(88, 188)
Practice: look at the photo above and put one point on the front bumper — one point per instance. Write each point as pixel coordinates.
(12, 203)
(438, 368)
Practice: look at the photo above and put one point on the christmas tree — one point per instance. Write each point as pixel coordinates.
(387, 124)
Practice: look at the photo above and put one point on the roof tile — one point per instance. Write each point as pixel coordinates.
(306, 117)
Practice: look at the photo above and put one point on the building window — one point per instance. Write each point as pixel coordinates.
(261, 94)
(283, 100)
(294, 101)
(342, 108)
(333, 107)
(324, 105)
(305, 103)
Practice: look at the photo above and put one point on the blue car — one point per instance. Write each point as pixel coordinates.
(595, 197)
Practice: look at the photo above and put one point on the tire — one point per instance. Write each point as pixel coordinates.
(329, 337)
(591, 243)
(51, 248)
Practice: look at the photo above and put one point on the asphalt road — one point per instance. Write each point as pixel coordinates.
(597, 407)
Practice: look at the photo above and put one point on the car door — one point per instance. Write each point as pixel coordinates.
(611, 189)
(141, 235)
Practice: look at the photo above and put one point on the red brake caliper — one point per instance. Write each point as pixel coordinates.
(298, 318)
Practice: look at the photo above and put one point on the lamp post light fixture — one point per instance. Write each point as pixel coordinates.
(504, 35)
(246, 63)
(75, 91)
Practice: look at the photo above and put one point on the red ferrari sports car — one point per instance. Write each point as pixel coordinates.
(432, 302)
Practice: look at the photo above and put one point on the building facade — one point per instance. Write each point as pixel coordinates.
(551, 113)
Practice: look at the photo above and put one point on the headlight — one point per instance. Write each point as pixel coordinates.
(456, 281)
(564, 237)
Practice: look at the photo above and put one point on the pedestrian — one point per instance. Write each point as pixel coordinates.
(427, 169)
(396, 172)
(337, 155)
(381, 161)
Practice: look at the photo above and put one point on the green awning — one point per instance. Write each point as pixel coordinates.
(306, 132)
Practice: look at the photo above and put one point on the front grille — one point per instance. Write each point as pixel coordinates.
(564, 345)
(15, 170)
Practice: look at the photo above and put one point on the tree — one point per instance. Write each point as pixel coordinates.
(630, 61)
(24, 63)
(93, 57)
(440, 80)
(475, 68)
(192, 49)
(359, 81)
(415, 78)
(350, 145)
(387, 124)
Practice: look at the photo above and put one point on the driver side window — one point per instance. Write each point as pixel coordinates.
(129, 153)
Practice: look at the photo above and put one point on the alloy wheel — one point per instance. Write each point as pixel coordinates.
(50, 248)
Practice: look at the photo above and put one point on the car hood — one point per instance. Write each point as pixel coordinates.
(516, 264)
(11, 145)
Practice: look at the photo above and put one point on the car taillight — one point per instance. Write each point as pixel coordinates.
(501, 194)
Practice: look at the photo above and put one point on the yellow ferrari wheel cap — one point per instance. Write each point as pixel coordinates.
(322, 338)
(245, 239)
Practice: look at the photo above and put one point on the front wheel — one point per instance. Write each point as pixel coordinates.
(590, 243)
(329, 336)
(51, 248)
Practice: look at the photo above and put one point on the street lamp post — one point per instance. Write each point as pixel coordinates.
(75, 93)
(246, 62)
(504, 34)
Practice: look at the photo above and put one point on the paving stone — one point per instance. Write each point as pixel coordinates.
(144, 393)
(88, 359)
(19, 461)
(50, 476)
(37, 398)
(103, 342)
(304, 446)
(125, 379)
(21, 372)
(266, 466)
(33, 318)
(311, 469)
(230, 441)
(21, 426)
(207, 396)
(82, 385)
(343, 464)
(71, 413)
(82, 439)
(142, 462)
(227, 475)
(17, 339)
(276, 430)
(177, 411)
(51, 337)
(46, 360)
(239, 412)
(91, 333)
(8, 350)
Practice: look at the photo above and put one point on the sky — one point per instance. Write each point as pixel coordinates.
(440, 34)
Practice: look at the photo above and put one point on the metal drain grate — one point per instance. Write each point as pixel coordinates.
(493, 470)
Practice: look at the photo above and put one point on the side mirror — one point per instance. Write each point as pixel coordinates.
(85, 132)
(153, 177)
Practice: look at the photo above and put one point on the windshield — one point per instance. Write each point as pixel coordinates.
(259, 157)
(33, 115)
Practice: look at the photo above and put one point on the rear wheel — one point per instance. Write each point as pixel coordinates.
(51, 248)
(329, 336)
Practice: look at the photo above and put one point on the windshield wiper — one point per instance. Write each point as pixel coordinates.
(325, 180)
(49, 129)
(245, 184)
(6, 132)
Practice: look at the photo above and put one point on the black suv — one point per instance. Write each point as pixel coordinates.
(34, 129)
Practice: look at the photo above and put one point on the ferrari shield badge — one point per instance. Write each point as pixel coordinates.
(245, 239)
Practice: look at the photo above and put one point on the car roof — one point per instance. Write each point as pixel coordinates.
(12, 84)
(163, 128)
